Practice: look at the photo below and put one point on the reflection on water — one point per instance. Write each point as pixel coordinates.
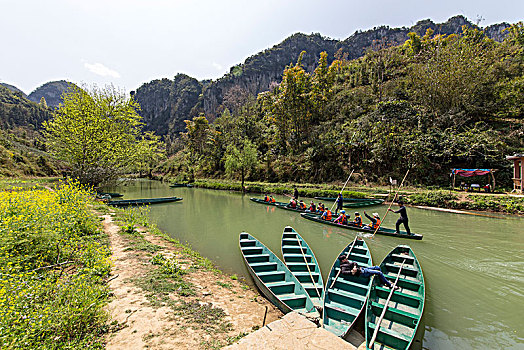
(473, 265)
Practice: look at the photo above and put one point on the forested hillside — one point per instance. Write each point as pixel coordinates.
(51, 92)
(263, 71)
(432, 103)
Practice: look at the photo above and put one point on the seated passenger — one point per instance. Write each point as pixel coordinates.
(375, 221)
(271, 199)
(292, 204)
(302, 205)
(358, 220)
(312, 208)
(326, 215)
(342, 219)
(266, 198)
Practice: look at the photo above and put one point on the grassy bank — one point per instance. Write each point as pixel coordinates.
(54, 264)
(414, 196)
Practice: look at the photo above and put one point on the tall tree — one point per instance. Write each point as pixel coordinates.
(96, 133)
(242, 159)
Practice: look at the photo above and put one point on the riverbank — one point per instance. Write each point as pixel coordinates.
(445, 199)
(169, 296)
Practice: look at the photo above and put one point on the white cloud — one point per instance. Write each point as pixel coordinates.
(217, 66)
(99, 69)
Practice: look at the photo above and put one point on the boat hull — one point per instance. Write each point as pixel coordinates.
(261, 201)
(273, 278)
(346, 295)
(296, 253)
(354, 202)
(402, 317)
(148, 201)
(381, 230)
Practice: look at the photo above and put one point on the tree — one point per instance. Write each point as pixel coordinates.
(150, 151)
(96, 133)
(243, 159)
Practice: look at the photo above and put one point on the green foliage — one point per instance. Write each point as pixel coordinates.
(97, 134)
(53, 263)
(243, 159)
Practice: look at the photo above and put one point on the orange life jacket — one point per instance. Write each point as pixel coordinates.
(377, 224)
(266, 199)
(303, 206)
(328, 215)
(272, 200)
(359, 222)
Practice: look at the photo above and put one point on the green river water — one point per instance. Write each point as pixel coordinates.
(473, 265)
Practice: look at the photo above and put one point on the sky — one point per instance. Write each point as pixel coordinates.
(130, 42)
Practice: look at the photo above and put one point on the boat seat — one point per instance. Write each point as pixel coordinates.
(252, 250)
(254, 258)
(263, 266)
(404, 283)
(305, 277)
(399, 297)
(290, 241)
(340, 311)
(293, 250)
(342, 297)
(400, 257)
(406, 269)
(402, 337)
(393, 314)
(282, 287)
(348, 286)
(297, 257)
(292, 300)
(272, 276)
(300, 266)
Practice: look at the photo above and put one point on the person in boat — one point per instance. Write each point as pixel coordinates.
(271, 199)
(326, 215)
(352, 268)
(358, 220)
(403, 219)
(295, 193)
(320, 208)
(340, 203)
(312, 208)
(375, 221)
(266, 198)
(342, 219)
(302, 205)
(292, 203)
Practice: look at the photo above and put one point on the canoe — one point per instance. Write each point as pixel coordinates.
(296, 253)
(284, 206)
(346, 295)
(404, 311)
(261, 201)
(146, 201)
(381, 231)
(110, 194)
(273, 278)
(354, 202)
(180, 185)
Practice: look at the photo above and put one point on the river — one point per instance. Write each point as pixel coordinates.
(473, 265)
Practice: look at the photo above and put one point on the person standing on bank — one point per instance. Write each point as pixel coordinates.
(295, 193)
(340, 203)
(403, 217)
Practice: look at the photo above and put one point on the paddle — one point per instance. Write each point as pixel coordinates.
(340, 269)
(377, 325)
(390, 204)
(307, 265)
(342, 190)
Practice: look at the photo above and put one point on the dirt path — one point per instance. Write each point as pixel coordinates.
(138, 321)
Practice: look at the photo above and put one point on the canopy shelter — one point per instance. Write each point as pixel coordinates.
(475, 172)
(518, 172)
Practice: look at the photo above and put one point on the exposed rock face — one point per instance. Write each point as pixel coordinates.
(165, 104)
(14, 89)
(52, 92)
(263, 70)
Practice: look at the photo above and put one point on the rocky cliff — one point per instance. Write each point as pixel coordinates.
(51, 91)
(263, 70)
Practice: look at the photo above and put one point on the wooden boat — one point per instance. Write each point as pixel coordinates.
(261, 201)
(405, 305)
(301, 261)
(146, 201)
(109, 194)
(285, 207)
(180, 185)
(273, 278)
(346, 295)
(381, 231)
(354, 202)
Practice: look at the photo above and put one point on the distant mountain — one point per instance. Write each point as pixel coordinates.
(51, 91)
(166, 103)
(16, 111)
(14, 89)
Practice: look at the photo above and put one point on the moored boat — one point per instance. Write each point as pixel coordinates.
(145, 201)
(285, 207)
(180, 185)
(396, 313)
(109, 194)
(354, 202)
(273, 278)
(346, 295)
(381, 231)
(261, 201)
(301, 261)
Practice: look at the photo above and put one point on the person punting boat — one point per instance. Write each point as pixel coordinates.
(403, 217)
